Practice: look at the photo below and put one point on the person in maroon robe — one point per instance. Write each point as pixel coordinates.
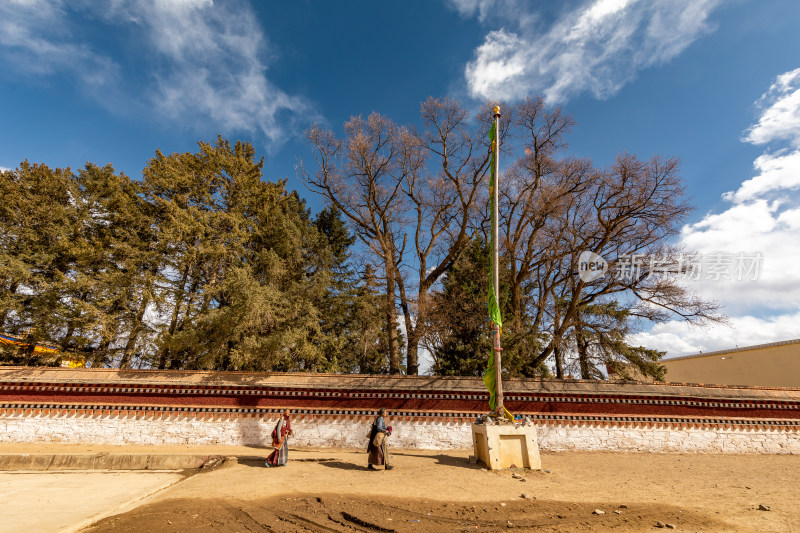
(280, 441)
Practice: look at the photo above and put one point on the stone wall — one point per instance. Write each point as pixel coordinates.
(668, 439)
(350, 432)
(240, 408)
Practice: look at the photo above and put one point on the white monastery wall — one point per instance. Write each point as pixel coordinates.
(351, 432)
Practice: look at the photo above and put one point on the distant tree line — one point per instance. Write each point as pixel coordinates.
(204, 264)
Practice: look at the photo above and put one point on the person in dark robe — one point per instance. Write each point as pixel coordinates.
(377, 443)
(280, 441)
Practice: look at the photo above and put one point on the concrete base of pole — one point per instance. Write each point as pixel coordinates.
(506, 446)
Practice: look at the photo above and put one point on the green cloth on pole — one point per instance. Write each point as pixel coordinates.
(490, 380)
(494, 307)
(490, 376)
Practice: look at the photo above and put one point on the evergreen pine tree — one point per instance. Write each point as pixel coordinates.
(41, 239)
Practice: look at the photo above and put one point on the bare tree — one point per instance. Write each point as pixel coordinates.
(363, 176)
(534, 189)
(631, 210)
(410, 197)
(415, 199)
(443, 198)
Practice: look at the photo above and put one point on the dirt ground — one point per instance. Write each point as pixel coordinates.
(325, 490)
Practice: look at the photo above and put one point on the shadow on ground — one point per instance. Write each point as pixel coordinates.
(343, 466)
(442, 459)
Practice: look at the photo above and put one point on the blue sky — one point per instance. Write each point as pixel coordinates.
(713, 83)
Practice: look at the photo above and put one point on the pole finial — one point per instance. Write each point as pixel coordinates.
(497, 110)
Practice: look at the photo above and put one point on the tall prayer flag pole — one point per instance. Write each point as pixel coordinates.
(497, 443)
(498, 368)
(492, 377)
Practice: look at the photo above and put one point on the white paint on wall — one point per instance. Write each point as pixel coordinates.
(349, 433)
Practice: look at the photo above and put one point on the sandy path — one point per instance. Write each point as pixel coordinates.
(718, 492)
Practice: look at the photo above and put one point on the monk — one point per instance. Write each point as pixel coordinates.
(377, 443)
(280, 441)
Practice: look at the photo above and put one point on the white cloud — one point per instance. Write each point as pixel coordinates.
(469, 7)
(763, 217)
(29, 49)
(772, 236)
(596, 47)
(516, 11)
(677, 339)
(205, 63)
(777, 171)
(780, 119)
(791, 218)
(215, 65)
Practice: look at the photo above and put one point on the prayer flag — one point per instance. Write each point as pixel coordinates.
(490, 375)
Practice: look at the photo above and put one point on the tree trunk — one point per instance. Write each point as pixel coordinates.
(100, 354)
(413, 332)
(559, 363)
(136, 327)
(162, 360)
(68, 336)
(209, 286)
(29, 347)
(71, 327)
(181, 358)
(391, 317)
(412, 352)
(557, 344)
(516, 298)
(4, 314)
(583, 353)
